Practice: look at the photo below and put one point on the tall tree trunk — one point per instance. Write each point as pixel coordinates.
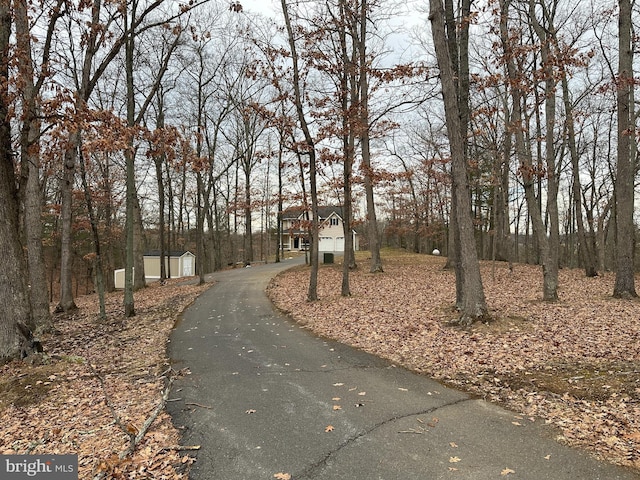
(585, 245)
(502, 236)
(457, 38)
(30, 166)
(200, 227)
(159, 161)
(625, 172)
(528, 171)
(279, 234)
(66, 302)
(312, 293)
(130, 179)
(348, 97)
(552, 255)
(98, 264)
(248, 233)
(365, 142)
(16, 316)
(108, 242)
(474, 305)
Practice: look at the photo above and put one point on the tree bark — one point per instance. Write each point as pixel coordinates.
(312, 292)
(365, 143)
(66, 302)
(139, 245)
(30, 166)
(16, 316)
(348, 97)
(474, 305)
(528, 171)
(502, 235)
(625, 171)
(585, 246)
(129, 155)
(551, 255)
(98, 264)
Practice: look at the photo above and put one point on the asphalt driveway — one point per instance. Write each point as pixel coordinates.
(266, 397)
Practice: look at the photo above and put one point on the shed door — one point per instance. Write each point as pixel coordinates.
(187, 266)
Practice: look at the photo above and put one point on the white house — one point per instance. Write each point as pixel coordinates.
(295, 226)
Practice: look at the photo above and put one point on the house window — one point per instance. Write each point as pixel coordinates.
(334, 221)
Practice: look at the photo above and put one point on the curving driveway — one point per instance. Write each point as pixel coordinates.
(265, 397)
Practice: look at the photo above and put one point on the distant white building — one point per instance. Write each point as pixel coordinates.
(295, 230)
(182, 263)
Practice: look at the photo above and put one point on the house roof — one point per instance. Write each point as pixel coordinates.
(323, 212)
(173, 253)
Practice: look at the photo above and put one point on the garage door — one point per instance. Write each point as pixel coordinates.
(340, 244)
(326, 244)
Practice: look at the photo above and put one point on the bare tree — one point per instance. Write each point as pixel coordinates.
(473, 306)
(31, 83)
(625, 172)
(16, 318)
(310, 150)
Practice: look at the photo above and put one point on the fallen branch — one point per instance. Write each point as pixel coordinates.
(135, 435)
(152, 418)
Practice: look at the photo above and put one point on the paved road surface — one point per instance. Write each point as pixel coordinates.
(263, 391)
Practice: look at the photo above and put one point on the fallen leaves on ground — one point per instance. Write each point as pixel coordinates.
(574, 362)
(96, 371)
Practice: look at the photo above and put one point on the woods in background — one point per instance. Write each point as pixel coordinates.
(142, 125)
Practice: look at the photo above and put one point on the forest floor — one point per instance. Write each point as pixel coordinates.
(574, 363)
(100, 388)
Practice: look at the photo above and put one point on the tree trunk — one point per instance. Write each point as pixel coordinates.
(365, 144)
(30, 166)
(585, 245)
(199, 227)
(16, 316)
(139, 245)
(348, 97)
(530, 174)
(312, 293)
(473, 300)
(625, 172)
(552, 255)
(98, 266)
(502, 234)
(129, 155)
(66, 302)
(162, 236)
(248, 233)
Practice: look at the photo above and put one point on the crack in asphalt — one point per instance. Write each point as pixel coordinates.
(311, 471)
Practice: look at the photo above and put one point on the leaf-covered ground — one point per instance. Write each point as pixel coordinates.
(97, 385)
(574, 364)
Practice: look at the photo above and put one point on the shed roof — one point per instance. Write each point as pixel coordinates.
(173, 253)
